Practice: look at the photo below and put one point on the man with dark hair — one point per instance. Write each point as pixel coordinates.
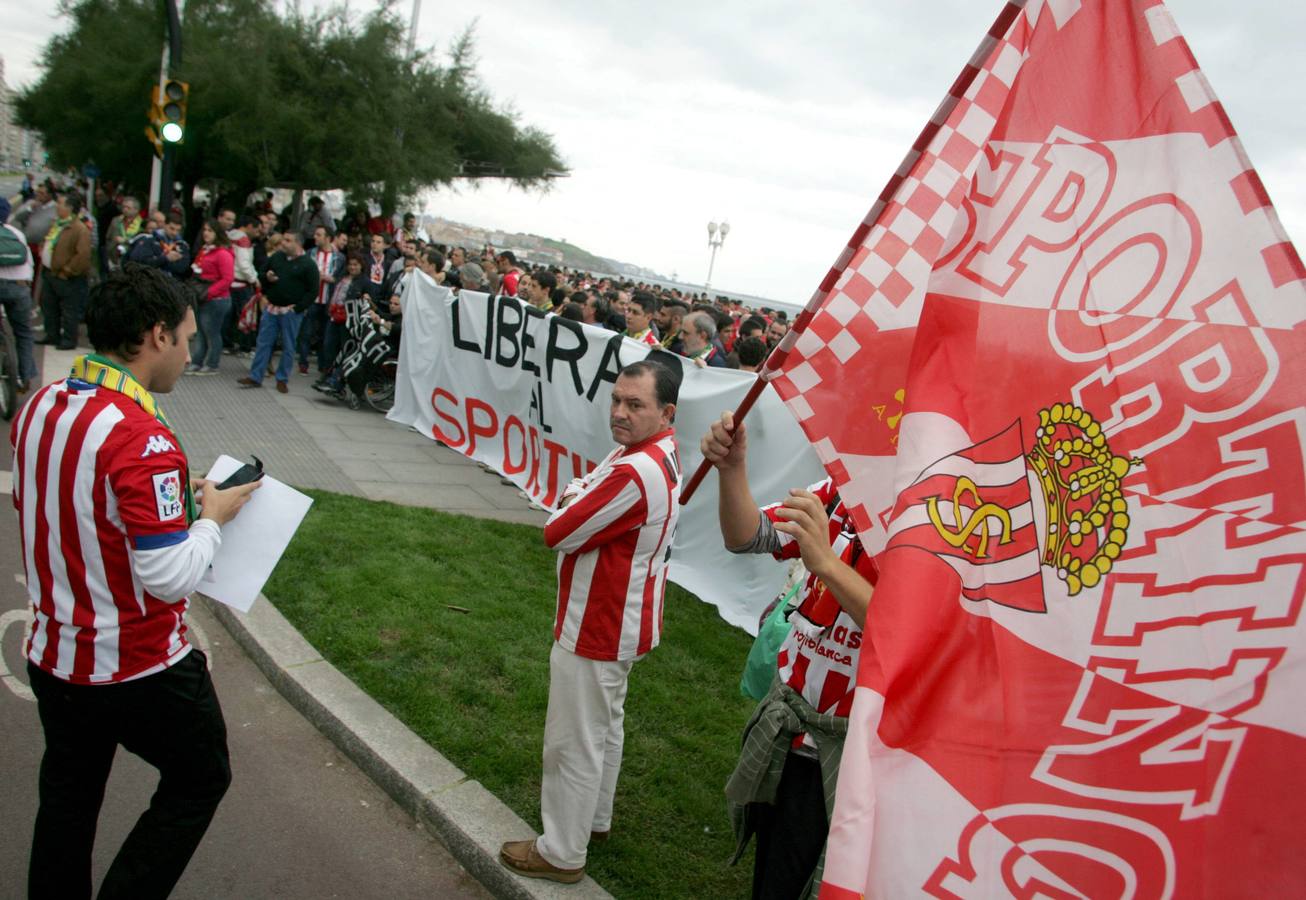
(315, 216)
(752, 326)
(537, 289)
(751, 352)
(119, 586)
(66, 260)
(639, 318)
(289, 286)
(776, 331)
(616, 524)
(164, 249)
(378, 263)
(330, 268)
(670, 320)
(506, 262)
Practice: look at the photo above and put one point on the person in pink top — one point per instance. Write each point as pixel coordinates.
(214, 265)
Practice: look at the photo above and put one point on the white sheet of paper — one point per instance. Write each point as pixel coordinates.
(252, 543)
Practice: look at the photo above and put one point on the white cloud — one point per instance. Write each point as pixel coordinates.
(785, 119)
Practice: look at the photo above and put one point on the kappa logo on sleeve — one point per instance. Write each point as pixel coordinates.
(167, 494)
(158, 443)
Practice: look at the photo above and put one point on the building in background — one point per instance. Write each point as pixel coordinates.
(17, 144)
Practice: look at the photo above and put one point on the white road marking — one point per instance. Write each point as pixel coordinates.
(20, 578)
(20, 617)
(11, 681)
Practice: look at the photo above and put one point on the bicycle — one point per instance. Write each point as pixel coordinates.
(9, 374)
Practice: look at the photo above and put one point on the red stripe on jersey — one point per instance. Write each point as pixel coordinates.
(654, 586)
(798, 678)
(600, 627)
(836, 695)
(70, 541)
(566, 572)
(41, 548)
(116, 558)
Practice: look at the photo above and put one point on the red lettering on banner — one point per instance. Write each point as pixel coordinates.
(510, 467)
(474, 428)
(554, 472)
(488, 428)
(448, 438)
(1068, 183)
(1148, 751)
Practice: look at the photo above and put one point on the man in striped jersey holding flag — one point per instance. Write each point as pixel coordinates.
(613, 531)
(113, 541)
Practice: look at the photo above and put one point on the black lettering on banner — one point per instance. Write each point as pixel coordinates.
(455, 310)
(489, 324)
(569, 355)
(528, 340)
(537, 407)
(508, 329)
(606, 372)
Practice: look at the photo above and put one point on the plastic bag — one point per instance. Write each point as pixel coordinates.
(759, 670)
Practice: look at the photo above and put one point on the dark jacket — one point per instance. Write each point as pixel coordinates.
(296, 283)
(152, 250)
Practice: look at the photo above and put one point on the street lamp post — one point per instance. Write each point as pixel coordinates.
(716, 236)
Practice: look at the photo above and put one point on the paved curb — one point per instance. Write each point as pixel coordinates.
(469, 820)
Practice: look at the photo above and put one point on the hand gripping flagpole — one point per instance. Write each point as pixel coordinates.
(771, 367)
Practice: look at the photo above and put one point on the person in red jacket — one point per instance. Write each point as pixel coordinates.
(214, 265)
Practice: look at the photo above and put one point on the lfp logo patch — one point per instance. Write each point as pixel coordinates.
(168, 494)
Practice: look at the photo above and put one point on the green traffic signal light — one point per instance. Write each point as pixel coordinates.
(172, 132)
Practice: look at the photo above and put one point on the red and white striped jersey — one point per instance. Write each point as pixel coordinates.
(94, 477)
(614, 540)
(819, 657)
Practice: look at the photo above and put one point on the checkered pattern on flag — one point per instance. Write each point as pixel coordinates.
(1074, 325)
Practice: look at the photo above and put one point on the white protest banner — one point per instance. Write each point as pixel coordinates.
(528, 393)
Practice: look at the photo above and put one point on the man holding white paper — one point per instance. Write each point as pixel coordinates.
(113, 541)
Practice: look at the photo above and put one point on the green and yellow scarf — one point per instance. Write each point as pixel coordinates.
(98, 370)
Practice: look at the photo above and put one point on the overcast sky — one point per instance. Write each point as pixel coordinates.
(786, 119)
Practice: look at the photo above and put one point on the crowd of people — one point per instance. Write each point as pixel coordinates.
(329, 295)
(325, 292)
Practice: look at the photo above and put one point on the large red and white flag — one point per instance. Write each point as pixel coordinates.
(1076, 326)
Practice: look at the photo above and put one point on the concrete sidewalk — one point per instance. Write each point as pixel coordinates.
(309, 440)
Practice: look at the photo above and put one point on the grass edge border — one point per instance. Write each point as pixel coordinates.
(454, 808)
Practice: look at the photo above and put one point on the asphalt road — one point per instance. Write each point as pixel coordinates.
(300, 820)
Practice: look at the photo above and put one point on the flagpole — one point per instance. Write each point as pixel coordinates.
(775, 359)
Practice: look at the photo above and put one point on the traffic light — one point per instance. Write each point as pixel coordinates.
(167, 114)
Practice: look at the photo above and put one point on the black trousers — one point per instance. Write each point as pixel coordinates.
(173, 721)
(63, 300)
(790, 834)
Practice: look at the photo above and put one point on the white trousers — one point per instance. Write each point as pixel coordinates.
(583, 737)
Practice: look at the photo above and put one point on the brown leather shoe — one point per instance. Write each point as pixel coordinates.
(281, 388)
(248, 382)
(522, 858)
(598, 837)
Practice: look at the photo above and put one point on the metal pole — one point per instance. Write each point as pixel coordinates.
(156, 164)
(710, 263)
(412, 27)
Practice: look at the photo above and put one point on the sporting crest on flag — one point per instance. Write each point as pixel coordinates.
(975, 510)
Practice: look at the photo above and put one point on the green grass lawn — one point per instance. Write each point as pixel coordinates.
(369, 584)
